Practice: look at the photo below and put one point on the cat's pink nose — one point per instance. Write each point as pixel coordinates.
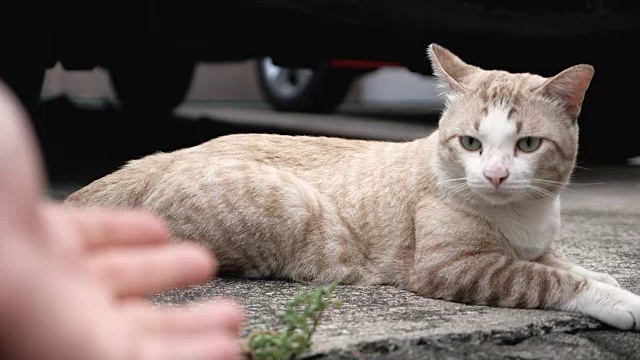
(496, 175)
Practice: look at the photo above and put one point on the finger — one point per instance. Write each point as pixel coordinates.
(147, 271)
(101, 228)
(58, 232)
(222, 315)
(212, 346)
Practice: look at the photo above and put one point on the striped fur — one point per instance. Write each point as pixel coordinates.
(372, 212)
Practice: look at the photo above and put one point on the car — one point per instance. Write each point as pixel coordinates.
(310, 52)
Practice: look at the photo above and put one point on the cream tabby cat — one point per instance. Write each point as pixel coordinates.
(467, 214)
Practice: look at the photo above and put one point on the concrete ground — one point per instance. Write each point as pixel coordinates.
(601, 231)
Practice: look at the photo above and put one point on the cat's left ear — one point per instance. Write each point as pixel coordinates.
(569, 87)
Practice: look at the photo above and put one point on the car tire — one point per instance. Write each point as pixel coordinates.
(152, 87)
(318, 90)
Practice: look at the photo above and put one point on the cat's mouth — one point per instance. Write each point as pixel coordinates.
(499, 196)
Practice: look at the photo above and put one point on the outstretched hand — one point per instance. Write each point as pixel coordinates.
(89, 273)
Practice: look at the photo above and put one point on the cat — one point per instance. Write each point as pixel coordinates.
(468, 214)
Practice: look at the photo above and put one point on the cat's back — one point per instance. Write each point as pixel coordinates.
(284, 151)
(311, 157)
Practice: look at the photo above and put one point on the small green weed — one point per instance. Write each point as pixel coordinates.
(300, 320)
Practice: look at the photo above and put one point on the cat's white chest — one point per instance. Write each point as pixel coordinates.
(528, 230)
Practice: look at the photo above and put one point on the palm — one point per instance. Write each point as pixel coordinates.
(100, 299)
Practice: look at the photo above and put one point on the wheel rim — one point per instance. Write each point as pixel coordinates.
(285, 82)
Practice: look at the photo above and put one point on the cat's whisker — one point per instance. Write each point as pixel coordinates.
(458, 188)
(541, 191)
(556, 185)
(528, 181)
(532, 198)
(548, 193)
(453, 186)
(453, 180)
(585, 184)
(461, 192)
(469, 193)
(540, 181)
(460, 185)
(581, 167)
(535, 192)
(552, 182)
(457, 191)
(548, 181)
(566, 184)
(553, 185)
(535, 189)
(566, 188)
(575, 191)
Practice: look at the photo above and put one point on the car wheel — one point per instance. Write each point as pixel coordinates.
(153, 87)
(318, 90)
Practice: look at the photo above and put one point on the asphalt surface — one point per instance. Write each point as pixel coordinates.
(601, 231)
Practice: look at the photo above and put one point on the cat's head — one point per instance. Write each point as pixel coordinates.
(506, 137)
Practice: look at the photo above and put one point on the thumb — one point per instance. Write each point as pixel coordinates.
(22, 176)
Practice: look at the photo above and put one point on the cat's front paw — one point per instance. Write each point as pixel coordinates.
(612, 305)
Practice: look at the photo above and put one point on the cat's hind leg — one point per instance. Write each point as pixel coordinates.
(486, 278)
(261, 221)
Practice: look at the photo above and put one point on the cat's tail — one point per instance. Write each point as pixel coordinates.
(125, 188)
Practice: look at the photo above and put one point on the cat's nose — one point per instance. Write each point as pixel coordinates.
(496, 175)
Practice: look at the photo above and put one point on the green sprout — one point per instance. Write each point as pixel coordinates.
(299, 321)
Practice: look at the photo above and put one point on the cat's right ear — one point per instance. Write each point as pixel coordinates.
(449, 69)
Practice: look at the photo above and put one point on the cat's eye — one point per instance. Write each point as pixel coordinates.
(529, 143)
(470, 143)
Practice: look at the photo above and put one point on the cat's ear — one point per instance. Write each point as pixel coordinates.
(449, 69)
(569, 87)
